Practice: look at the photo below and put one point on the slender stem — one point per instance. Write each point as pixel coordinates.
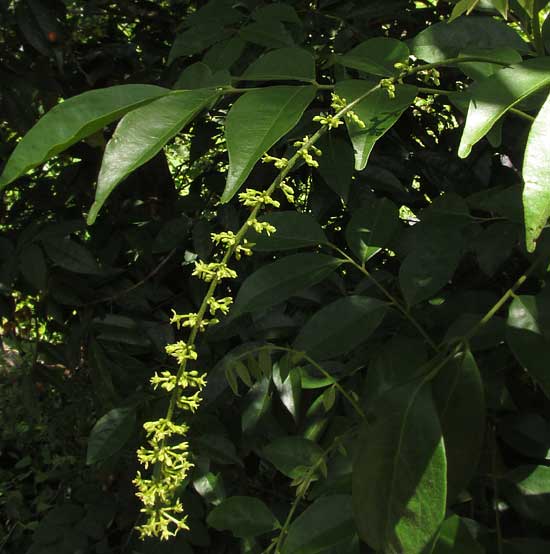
(318, 367)
(514, 111)
(302, 492)
(394, 301)
(493, 443)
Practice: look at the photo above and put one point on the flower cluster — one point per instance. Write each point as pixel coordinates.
(257, 198)
(280, 163)
(389, 86)
(338, 103)
(331, 121)
(229, 240)
(213, 270)
(305, 149)
(167, 451)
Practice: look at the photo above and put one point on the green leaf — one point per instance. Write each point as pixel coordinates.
(244, 516)
(527, 5)
(294, 230)
(528, 339)
(336, 164)
(430, 265)
(255, 122)
(289, 386)
(109, 434)
(72, 256)
(527, 488)
(455, 538)
(257, 403)
(200, 76)
(72, 120)
(141, 134)
(283, 64)
(460, 401)
(293, 456)
(501, 6)
(378, 111)
(268, 33)
(339, 327)
(536, 176)
(399, 472)
(492, 97)
(325, 523)
(446, 40)
(371, 228)
(196, 39)
(376, 56)
(274, 283)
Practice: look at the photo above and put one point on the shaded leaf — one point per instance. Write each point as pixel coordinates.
(376, 56)
(339, 327)
(141, 134)
(275, 282)
(72, 256)
(255, 122)
(244, 516)
(377, 111)
(336, 164)
(293, 456)
(371, 228)
(460, 401)
(294, 230)
(536, 177)
(446, 40)
(224, 54)
(33, 266)
(196, 39)
(72, 120)
(455, 538)
(268, 33)
(492, 97)
(282, 65)
(109, 434)
(325, 523)
(399, 472)
(527, 338)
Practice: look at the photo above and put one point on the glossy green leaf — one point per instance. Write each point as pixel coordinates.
(376, 56)
(72, 120)
(256, 403)
(536, 177)
(336, 164)
(283, 64)
(528, 340)
(501, 6)
(460, 401)
(255, 122)
(463, 7)
(72, 256)
(325, 523)
(275, 282)
(399, 472)
(268, 33)
(371, 228)
(293, 456)
(109, 434)
(446, 40)
(196, 39)
(455, 538)
(210, 487)
(141, 134)
(527, 5)
(527, 488)
(480, 70)
(430, 265)
(378, 111)
(339, 327)
(289, 386)
(244, 516)
(200, 76)
(294, 230)
(492, 97)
